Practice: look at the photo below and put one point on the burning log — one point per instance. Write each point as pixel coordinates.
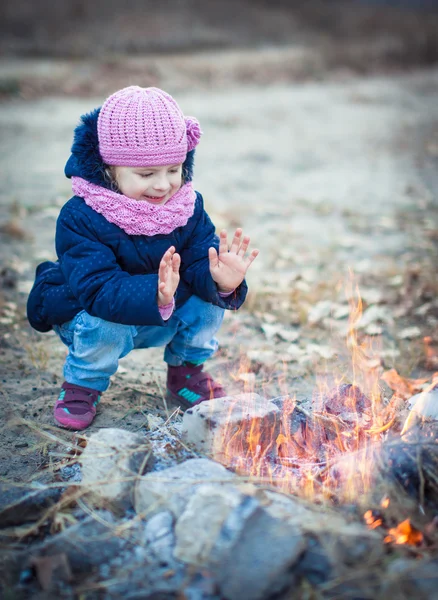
(346, 399)
(233, 428)
(281, 441)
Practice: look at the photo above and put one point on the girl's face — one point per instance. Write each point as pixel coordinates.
(153, 184)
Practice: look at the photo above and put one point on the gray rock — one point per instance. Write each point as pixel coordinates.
(111, 463)
(91, 543)
(423, 406)
(315, 565)
(285, 508)
(248, 551)
(141, 580)
(334, 544)
(23, 504)
(217, 514)
(407, 579)
(210, 425)
(345, 544)
(159, 536)
(104, 571)
(351, 542)
(260, 563)
(158, 526)
(360, 585)
(161, 586)
(172, 488)
(11, 567)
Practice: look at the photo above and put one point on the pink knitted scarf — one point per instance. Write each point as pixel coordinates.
(138, 217)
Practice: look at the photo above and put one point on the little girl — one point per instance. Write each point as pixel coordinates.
(139, 264)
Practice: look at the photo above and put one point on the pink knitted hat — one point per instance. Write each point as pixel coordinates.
(142, 127)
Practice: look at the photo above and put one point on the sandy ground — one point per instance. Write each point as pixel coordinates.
(326, 177)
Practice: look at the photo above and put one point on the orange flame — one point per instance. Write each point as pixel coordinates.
(307, 452)
(404, 533)
(372, 521)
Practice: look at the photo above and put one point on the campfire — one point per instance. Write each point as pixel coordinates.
(331, 449)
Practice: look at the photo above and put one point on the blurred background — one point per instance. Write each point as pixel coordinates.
(102, 45)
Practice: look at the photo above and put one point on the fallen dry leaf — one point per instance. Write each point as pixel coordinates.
(389, 353)
(295, 353)
(319, 311)
(50, 569)
(373, 329)
(341, 311)
(409, 333)
(70, 496)
(24, 287)
(246, 378)
(154, 421)
(266, 317)
(371, 295)
(375, 314)
(404, 387)
(396, 281)
(11, 306)
(13, 229)
(264, 357)
(271, 330)
(302, 286)
(288, 335)
(372, 363)
(322, 351)
(422, 310)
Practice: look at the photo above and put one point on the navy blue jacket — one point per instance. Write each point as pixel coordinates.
(113, 275)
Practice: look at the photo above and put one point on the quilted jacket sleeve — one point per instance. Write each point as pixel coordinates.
(103, 289)
(195, 269)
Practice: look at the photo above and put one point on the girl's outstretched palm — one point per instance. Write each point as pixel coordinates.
(228, 268)
(168, 276)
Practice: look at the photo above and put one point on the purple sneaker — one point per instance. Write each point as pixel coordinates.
(76, 406)
(189, 385)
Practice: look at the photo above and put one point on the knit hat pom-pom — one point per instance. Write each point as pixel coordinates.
(193, 132)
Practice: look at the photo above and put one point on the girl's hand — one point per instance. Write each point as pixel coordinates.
(228, 268)
(168, 276)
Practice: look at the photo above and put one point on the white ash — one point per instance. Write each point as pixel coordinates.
(71, 473)
(166, 445)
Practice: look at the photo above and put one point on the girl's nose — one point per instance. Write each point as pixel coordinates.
(161, 183)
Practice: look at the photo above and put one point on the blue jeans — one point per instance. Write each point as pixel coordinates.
(95, 345)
